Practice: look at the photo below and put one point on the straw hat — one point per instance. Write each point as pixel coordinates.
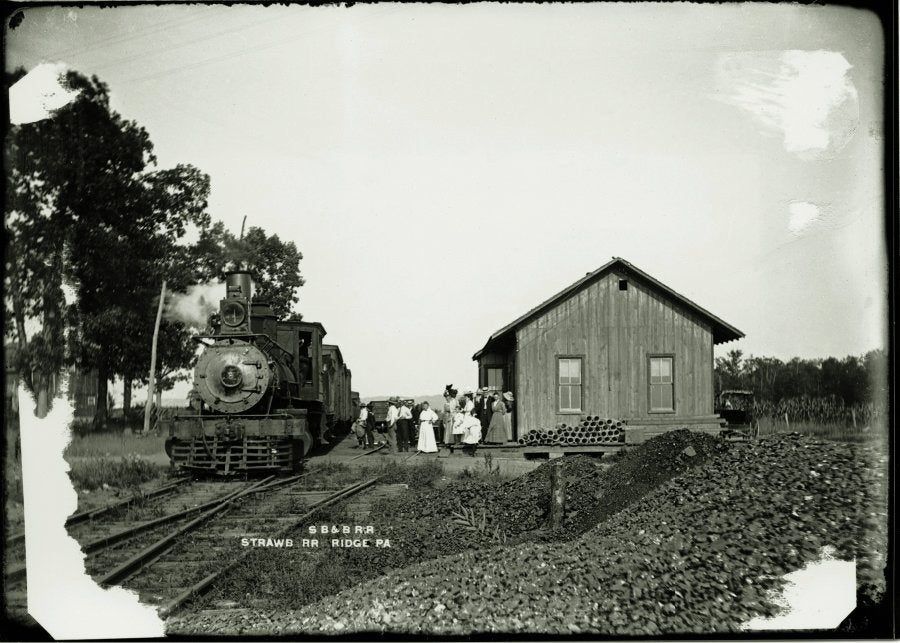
(508, 396)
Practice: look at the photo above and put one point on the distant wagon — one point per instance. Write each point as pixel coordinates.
(614, 344)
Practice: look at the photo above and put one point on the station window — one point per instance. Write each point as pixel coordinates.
(569, 384)
(495, 378)
(662, 383)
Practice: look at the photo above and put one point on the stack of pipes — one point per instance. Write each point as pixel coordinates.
(592, 430)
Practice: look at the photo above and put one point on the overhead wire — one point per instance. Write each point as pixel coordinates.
(224, 32)
(115, 39)
(244, 52)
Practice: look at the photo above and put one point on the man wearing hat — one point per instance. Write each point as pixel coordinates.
(359, 427)
(485, 409)
(392, 416)
(404, 418)
(370, 425)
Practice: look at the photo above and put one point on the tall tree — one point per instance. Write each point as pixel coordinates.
(85, 202)
(275, 264)
(728, 371)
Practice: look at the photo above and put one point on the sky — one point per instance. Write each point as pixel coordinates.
(444, 168)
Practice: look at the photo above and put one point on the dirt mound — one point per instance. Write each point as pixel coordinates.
(696, 555)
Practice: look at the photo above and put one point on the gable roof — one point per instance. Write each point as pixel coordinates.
(722, 331)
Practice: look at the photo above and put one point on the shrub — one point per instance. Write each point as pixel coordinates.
(131, 471)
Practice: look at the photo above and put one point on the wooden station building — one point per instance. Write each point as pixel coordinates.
(615, 344)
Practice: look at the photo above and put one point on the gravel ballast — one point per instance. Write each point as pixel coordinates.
(702, 553)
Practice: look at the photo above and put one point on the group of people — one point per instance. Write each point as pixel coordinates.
(475, 417)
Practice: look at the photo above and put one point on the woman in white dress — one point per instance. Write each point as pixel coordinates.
(459, 431)
(427, 418)
(472, 427)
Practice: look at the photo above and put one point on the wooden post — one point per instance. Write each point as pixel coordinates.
(152, 381)
(557, 495)
(853, 414)
(787, 423)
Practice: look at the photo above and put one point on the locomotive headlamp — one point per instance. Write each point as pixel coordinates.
(232, 313)
(231, 376)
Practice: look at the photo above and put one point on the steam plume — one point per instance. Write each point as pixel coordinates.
(194, 307)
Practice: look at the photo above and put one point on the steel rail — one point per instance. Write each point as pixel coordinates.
(14, 572)
(204, 583)
(152, 552)
(75, 519)
(378, 448)
(111, 539)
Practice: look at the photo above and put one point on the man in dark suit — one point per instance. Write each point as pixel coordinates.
(486, 409)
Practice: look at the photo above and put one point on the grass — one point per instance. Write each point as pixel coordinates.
(126, 472)
(105, 445)
(331, 475)
(837, 432)
(485, 470)
(279, 576)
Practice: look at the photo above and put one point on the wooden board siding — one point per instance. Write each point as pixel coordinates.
(615, 331)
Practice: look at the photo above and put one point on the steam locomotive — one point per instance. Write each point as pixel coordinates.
(265, 391)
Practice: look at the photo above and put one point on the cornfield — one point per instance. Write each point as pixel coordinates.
(819, 410)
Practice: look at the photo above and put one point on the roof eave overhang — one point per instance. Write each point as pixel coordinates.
(722, 331)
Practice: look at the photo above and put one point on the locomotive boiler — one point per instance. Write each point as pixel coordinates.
(259, 400)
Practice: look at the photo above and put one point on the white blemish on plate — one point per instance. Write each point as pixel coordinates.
(806, 97)
(801, 215)
(818, 597)
(55, 561)
(38, 94)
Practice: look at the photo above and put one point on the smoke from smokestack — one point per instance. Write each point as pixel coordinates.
(194, 307)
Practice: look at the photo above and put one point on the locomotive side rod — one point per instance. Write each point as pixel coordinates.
(154, 551)
(203, 584)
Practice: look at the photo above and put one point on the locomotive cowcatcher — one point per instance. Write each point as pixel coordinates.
(257, 403)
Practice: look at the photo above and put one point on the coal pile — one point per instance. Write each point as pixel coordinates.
(591, 431)
(426, 524)
(699, 554)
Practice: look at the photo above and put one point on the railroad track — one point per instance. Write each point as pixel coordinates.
(169, 559)
(136, 541)
(122, 513)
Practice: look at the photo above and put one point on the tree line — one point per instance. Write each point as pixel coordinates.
(89, 211)
(830, 390)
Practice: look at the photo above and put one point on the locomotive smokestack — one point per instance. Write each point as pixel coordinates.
(237, 284)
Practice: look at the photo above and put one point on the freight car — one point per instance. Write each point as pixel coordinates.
(260, 399)
(336, 384)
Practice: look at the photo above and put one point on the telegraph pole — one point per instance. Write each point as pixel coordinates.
(152, 381)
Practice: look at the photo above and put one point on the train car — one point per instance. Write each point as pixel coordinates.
(258, 402)
(336, 384)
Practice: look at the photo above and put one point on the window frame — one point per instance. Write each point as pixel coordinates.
(650, 358)
(559, 409)
(487, 375)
